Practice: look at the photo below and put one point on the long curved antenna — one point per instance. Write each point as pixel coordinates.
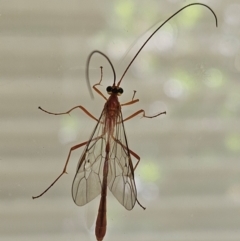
(201, 4)
(136, 40)
(87, 69)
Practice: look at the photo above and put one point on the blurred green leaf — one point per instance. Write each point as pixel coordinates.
(232, 142)
(150, 171)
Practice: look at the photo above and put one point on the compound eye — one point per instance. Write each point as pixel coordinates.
(109, 89)
(120, 91)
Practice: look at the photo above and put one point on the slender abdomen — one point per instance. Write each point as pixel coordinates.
(101, 222)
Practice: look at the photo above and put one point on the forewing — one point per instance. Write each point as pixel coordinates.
(87, 182)
(121, 174)
(88, 178)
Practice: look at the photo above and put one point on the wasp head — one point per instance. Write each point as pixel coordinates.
(114, 90)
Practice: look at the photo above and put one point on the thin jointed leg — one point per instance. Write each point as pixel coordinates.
(144, 115)
(68, 112)
(130, 164)
(132, 101)
(99, 83)
(64, 169)
(130, 151)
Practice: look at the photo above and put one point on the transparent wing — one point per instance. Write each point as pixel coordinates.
(87, 183)
(88, 178)
(121, 174)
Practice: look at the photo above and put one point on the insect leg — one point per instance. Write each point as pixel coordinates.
(99, 83)
(131, 152)
(131, 164)
(134, 93)
(144, 115)
(64, 169)
(68, 112)
(132, 101)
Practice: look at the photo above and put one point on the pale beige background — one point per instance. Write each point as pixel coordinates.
(189, 174)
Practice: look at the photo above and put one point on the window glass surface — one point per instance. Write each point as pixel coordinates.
(189, 174)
